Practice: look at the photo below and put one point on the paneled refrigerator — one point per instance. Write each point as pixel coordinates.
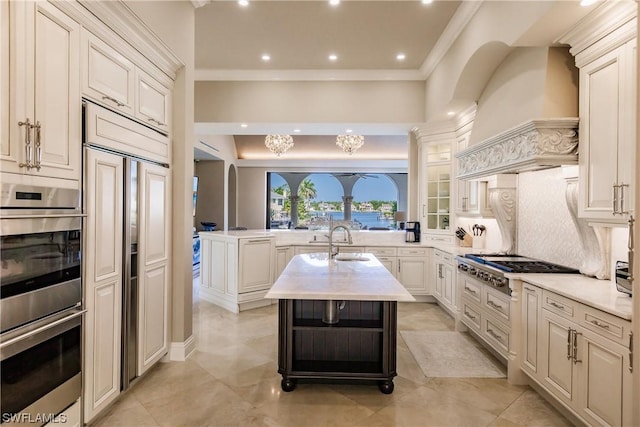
(127, 258)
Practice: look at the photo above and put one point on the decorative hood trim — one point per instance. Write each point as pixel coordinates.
(533, 145)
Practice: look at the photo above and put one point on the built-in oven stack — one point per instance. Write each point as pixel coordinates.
(40, 302)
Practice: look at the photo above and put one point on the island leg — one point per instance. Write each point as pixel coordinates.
(386, 386)
(287, 384)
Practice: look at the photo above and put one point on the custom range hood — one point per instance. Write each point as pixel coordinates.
(526, 117)
(533, 145)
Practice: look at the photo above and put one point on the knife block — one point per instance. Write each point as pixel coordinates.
(467, 242)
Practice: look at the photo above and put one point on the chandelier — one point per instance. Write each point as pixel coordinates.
(278, 144)
(350, 143)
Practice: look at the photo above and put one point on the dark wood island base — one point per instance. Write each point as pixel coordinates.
(360, 346)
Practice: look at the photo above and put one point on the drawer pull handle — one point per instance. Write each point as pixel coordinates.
(556, 305)
(493, 334)
(108, 98)
(526, 288)
(470, 290)
(158, 122)
(469, 315)
(494, 305)
(631, 351)
(600, 324)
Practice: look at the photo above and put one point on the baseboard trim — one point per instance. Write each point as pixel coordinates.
(180, 351)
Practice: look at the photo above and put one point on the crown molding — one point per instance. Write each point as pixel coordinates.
(135, 37)
(452, 31)
(306, 75)
(336, 165)
(605, 19)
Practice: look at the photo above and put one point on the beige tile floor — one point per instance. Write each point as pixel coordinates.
(232, 380)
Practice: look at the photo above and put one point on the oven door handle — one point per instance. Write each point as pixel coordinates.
(38, 335)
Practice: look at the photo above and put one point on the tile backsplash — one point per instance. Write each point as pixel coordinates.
(545, 229)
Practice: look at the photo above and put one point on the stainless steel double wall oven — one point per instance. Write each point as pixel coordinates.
(40, 301)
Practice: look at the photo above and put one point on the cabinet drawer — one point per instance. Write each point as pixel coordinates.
(606, 325)
(438, 239)
(412, 251)
(559, 304)
(472, 290)
(497, 304)
(497, 334)
(381, 251)
(447, 258)
(471, 316)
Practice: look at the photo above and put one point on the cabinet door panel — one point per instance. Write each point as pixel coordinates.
(603, 372)
(57, 93)
(412, 274)
(5, 147)
(103, 260)
(154, 230)
(257, 273)
(153, 101)
(107, 76)
(531, 311)
(558, 374)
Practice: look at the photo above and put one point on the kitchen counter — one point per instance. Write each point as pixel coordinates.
(315, 277)
(600, 294)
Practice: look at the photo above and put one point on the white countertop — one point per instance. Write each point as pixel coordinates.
(600, 294)
(315, 277)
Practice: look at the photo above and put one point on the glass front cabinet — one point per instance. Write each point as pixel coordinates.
(437, 202)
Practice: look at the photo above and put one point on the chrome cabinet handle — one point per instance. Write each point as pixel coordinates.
(494, 305)
(27, 143)
(118, 103)
(159, 123)
(600, 324)
(38, 163)
(569, 334)
(631, 351)
(621, 190)
(575, 346)
(631, 247)
(493, 334)
(615, 199)
(556, 305)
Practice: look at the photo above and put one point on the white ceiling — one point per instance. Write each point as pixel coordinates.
(300, 34)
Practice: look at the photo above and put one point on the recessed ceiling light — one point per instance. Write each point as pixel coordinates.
(333, 57)
(243, 125)
(296, 130)
(243, 3)
(266, 57)
(451, 113)
(334, 2)
(400, 56)
(427, 1)
(349, 130)
(587, 2)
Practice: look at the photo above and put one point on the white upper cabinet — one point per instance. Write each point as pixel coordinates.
(608, 73)
(119, 82)
(107, 76)
(40, 105)
(153, 101)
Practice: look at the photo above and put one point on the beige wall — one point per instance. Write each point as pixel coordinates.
(211, 193)
(252, 201)
(364, 101)
(174, 23)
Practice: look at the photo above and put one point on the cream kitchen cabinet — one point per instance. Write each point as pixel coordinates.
(387, 257)
(237, 271)
(413, 268)
(579, 354)
(283, 256)
(444, 280)
(41, 111)
(115, 81)
(154, 263)
(103, 281)
(608, 80)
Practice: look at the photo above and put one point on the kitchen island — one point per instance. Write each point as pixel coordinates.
(337, 319)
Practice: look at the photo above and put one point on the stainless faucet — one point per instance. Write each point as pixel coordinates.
(350, 240)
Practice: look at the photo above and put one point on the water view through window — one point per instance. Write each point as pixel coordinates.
(321, 196)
